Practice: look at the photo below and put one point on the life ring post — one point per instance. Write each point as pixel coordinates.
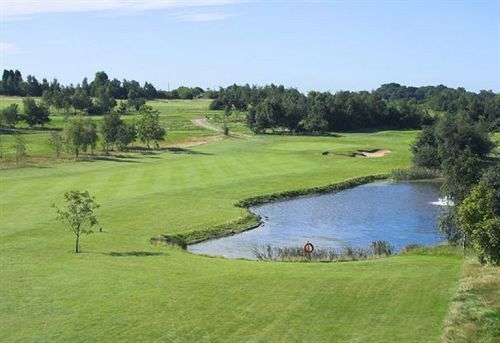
(308, 249)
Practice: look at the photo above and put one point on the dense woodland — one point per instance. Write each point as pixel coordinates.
(390, 106)
(101, 88)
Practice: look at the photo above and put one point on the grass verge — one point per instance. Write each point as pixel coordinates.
(475, 311)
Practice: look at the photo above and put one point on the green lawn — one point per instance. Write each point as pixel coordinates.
(122, 288)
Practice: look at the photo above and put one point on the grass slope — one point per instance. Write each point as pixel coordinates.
(122, 288)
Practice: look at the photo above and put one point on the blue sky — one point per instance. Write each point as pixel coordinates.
(321, 45)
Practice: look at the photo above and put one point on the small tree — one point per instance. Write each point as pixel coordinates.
(9, 116)
(480, 224)
(35, 114)
(56, 142)
(80, 100)
(19, 147)
(135, 100)
(121, 108)
(149, 128)
(126, 135)
(91, 136)
(228, 111)
(80, 133)
(79, 214)
(104, 100)
(109, 129)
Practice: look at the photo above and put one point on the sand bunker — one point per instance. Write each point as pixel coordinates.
(360, 153)
(374, 153)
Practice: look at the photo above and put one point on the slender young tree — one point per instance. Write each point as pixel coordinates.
(109, 129)
(78, 214)
(56, 142)
(80, 133)
(149, 128)
(19, 148)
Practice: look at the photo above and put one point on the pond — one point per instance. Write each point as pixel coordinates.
(400, 213)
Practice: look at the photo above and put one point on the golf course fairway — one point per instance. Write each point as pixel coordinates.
(123, 288)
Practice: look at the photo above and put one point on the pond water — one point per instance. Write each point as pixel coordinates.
(400, 213)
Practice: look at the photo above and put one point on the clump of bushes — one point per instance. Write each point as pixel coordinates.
(382, 248)
(182, 240)
(294, 254)
(449, 250)
(414, 173)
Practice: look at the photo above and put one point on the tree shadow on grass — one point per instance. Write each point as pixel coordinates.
(25, 131)
(134, 253)
(304, 134)
(109, 159)
(153, 153)
(176, 150)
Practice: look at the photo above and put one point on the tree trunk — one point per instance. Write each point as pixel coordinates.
(77, 245)
(76, 151)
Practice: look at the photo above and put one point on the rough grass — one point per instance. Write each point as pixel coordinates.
(123, 288)
(475, 312)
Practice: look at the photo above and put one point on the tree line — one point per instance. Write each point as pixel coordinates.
(93, 97)
(390, 106)
(82, 133)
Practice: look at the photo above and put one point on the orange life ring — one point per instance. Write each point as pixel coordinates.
(308, 248)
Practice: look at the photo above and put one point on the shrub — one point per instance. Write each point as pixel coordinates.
(262, 199)
(414, 173)
(382, 248)
(480, 223)
(217, 104)
(247, 222)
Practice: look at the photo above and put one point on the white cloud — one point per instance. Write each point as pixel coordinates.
(201, 17)
(13, 9)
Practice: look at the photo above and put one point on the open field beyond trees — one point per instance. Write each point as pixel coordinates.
(123, 288)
